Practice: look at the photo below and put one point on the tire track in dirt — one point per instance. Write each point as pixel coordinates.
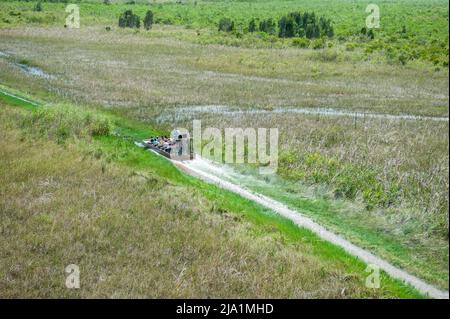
(191, 168)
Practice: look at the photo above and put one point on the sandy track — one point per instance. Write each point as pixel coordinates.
(307, 223)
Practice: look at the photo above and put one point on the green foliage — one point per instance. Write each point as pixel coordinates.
(296, 24)
(420, 31)
(328, 55)
(318, 44)
(268, 26)
(38, 7)
(129, 20)
(286, 27)
(226, 25)
(62, 122)
(148, 20)
(347, 180)
(301, 42)
(252, 26)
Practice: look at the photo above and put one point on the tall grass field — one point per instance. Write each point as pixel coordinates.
(362, 115)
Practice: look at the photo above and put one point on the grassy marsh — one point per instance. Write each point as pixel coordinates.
(131, 240)
(382, 183)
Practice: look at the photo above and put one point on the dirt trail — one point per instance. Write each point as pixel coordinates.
(194, 168)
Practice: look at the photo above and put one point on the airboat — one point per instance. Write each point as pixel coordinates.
(178, 147)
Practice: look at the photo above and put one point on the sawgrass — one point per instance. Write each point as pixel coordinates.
(144, 77)
(149, 80)
(425, 22)
(137, 227)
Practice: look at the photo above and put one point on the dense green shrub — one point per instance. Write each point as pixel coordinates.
(62, 122)
(286, 27)
(148, 20)
(226, 25)
(38, 7)
(351, 46)
(296, 24)
(268, 26)
(301, 42)
(318, 44)
(129, 20)
(252, 26)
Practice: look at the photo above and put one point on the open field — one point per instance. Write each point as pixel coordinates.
(410, 29)
(381, 182)
(142, 72)
(131, 240)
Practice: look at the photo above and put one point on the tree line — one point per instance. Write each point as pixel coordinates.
(294, 24)
(130, 20)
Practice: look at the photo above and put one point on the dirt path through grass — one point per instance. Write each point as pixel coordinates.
(194, 168)
(198, 168)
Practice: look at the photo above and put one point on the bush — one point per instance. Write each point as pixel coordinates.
(403, 58)
(347, 180)
(301, 42)
(327, 55)
(351, 46)
(268, 26)
(226, 25)
(252, 26)
(148, 20)
(297, 24)
(129, 20)
(38, 7)
(318, 44)
(286, 27)
(62, 122)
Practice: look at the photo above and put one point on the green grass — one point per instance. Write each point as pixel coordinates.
(370, 231)
(410, 152)
(147, 82)
(426, 22)
(120, 158)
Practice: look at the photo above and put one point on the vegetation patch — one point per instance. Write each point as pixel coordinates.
(130, 218)
(63, 122)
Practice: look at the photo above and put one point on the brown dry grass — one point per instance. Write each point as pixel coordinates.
(139, 72)
(143, 75)
(135, 235)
